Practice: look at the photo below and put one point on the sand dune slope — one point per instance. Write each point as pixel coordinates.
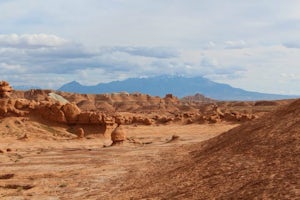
(257, 160)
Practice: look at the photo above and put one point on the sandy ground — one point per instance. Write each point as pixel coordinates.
(84, 168)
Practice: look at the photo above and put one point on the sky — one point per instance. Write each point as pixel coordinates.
(253, 44)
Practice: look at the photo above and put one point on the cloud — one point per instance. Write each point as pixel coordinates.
(212, 68)
(230, 71)
(210, 45)
(31, 41)
(155, 52)
(238, 44)
(290, 76)
(41, 54)
(51, 66)
(292, 45)
(209, 62)
(6, 68)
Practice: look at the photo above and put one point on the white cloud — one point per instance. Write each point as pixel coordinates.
(8, 68)
(238, 44)
(209, 62)
(247, 44)
(31, 40)
(210, 45)
(156, 52)
(290, 77)
(258, 65)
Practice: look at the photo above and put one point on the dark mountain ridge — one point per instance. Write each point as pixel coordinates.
(177, 85)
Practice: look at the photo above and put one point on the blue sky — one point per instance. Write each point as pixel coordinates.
(253, 45)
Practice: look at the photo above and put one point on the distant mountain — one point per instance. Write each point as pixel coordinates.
(25, 87)
(178, 86)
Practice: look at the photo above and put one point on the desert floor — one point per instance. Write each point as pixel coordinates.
(89, 168)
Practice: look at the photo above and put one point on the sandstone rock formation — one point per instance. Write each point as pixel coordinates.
(109, 123)
(37, 105)
(5, 89)
(104, 110)
(198, 98)
(7, 108)
(71, 112)
(80, 133)
(51, 112)
(118, 136)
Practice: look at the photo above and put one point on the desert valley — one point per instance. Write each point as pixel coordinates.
(60, 145)
(149, 100)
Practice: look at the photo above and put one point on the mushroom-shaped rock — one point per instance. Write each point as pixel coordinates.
(109, 123)
(80, 133)
(118, 136)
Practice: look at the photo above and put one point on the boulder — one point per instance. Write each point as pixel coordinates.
(214, 119)
(148, 121)
(80, 133)
(52, 112)
(22, 103)
(119, 119)
(71, 112)
(118, 136)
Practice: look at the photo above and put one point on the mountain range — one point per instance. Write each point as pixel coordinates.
(25, 87)
(176, 85)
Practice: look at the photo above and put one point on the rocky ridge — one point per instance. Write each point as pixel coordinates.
(106, 110)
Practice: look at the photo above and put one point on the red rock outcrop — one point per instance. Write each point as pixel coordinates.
(198, 98)
(80, 133)
(52, 112)
(5, 89)
(7, 108)
(118, 136)
(71, 112)
(122, 108)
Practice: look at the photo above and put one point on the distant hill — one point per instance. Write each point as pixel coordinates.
(25, 87)
(177, 85)
(198, 98)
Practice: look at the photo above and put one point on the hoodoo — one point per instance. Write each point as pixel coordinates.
(5, 89)
(118, 136)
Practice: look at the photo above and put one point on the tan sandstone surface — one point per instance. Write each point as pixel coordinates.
(57, 145)
(83, 168)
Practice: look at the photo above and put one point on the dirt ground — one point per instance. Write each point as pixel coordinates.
(88, 168)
